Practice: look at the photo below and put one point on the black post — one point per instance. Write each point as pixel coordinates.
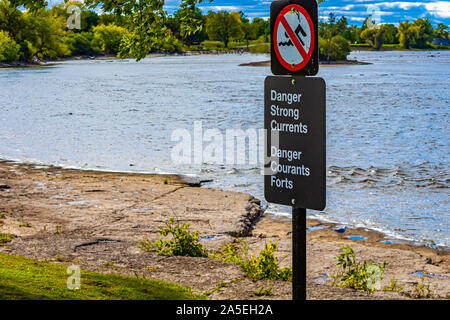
(298, 254)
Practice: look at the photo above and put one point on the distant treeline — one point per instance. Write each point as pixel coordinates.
(41, 33)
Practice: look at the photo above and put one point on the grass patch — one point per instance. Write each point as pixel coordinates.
(5, 238)
(22, 278)
(260, 48)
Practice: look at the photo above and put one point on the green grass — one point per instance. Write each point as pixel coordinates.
(27, 279)
(260, 48)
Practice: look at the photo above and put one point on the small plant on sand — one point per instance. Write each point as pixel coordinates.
(422, 290)
(262, 267)
(357, 275)
(262, 292)
(5, 238)
(167, 181)
(2, 215)
(24, 224)
(182, 243)
(394, 287)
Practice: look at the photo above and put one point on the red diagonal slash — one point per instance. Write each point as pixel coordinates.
(293, 37)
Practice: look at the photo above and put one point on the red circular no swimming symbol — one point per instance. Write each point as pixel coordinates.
(294, 37)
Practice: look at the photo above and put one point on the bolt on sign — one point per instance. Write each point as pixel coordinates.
(294, 41)
(294, 111)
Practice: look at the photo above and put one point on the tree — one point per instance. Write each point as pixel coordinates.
(423, 33)
(223, 26)
(248, 30)
(145, 21)
(88, 18)
(175, 24)
(328, 31)
(9, 49)
(441, 31)
(374, 37)
(405, 34)
(336, 49)
(44, 34)
(416, 34)
(260, 26)
(390, 33)
(107, 39)
(81, 43)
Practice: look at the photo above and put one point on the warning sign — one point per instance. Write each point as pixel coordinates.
(294, 38)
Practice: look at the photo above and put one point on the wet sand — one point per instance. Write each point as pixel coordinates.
(96, 219)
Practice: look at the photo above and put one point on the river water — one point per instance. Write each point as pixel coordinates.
(387, 128)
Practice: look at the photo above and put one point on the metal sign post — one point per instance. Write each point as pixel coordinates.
(295, 123)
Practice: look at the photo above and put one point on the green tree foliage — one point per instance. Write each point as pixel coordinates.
(248, 29)
(82, 44)
(32, 5)
(175, 24)
(423, 33)
(9, 49)
(44, 34)
(415, 35)
(145, 21)
(88, 17)
(336, 49)
(332, 45)
(223, 26)
(262, 28)
(107, 39)
(374, 37)
(405, 34)
(390, 33)
(441, 31)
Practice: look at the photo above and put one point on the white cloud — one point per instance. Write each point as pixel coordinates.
(227, 8)
(436, 8)
(439, 8)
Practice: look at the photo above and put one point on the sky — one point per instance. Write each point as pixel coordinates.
(355, 10)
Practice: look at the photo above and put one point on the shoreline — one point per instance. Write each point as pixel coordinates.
(39, 63)
(106, 214)
(44, 63)
(321, 63)
(194, 180)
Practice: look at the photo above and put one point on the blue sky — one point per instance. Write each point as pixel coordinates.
(355, 10)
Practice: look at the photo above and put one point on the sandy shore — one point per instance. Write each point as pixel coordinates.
(96, 219)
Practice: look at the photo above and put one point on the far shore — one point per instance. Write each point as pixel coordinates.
(41, 63)
(96, 219)
(322, 63)
(38, 63)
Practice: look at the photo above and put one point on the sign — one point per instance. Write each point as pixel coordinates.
(294, 37)
(294, 120)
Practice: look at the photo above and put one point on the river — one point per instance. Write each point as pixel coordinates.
(387, 128)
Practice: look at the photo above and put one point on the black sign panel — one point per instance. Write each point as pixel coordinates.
(294, 37)
(294, 119)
